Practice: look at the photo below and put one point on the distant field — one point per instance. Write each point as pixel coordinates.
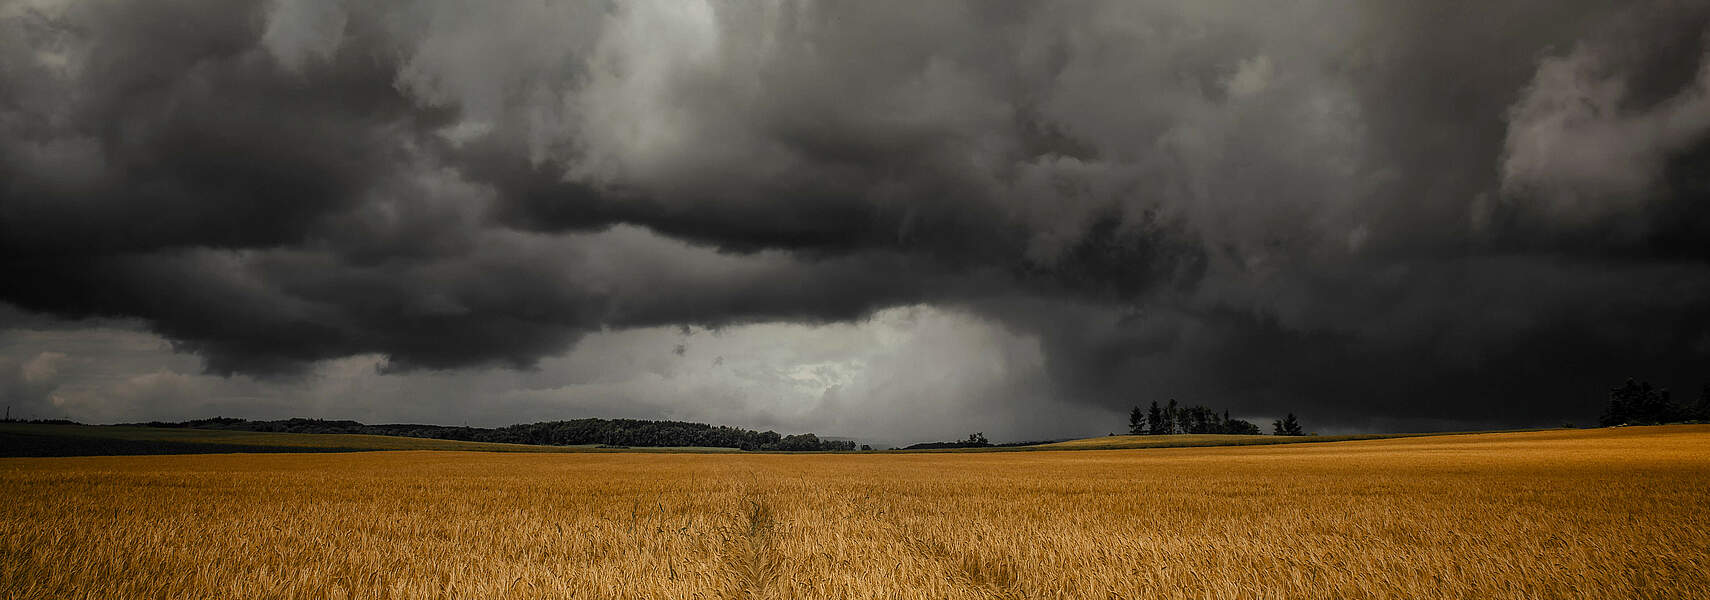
(18, 439)
(1607, 513)
(83, 440)
(1118, 442)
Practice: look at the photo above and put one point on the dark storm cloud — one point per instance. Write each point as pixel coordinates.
(1412, 211)
(168, 128)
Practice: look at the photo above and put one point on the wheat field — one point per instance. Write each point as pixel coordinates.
(1616, 513)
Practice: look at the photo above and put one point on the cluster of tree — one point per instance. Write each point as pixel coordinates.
(1636, 403)
(1287, 426)
(40, 421)
(808, 442)
(1172, 419)
(610, 432)
(975, 440)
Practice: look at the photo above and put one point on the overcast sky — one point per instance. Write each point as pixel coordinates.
(890, 220)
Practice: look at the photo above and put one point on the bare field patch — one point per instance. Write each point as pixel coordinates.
(1557, 514)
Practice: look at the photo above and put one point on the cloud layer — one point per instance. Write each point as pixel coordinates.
(1384, 214)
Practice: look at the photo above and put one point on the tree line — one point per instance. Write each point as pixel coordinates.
(1172, 419)
(1637, 403)
(608, 432)
(975, 440)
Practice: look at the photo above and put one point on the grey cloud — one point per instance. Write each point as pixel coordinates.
(28, 382)
(1599, 140)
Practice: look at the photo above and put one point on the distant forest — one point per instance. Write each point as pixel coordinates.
(1173, 419)
(609, 432)
(1637, 403)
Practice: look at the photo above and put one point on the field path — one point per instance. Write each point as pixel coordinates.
(752, 556)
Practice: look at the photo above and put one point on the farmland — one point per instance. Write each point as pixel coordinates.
(18, 439)
(1561, 514)
(28, 439)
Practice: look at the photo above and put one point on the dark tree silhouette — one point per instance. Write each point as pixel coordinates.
(1155, 420)
(1238, 426)
(975, 440)
(1702, 411)
(1637, 403)
(1191, 419)
(805, 441)
(1288, 425)
(1200, 420)
(1241, 427)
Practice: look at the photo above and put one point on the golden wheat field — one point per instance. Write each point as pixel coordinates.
(1615, 513)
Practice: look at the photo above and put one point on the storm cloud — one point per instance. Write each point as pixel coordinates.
(1376, 214)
